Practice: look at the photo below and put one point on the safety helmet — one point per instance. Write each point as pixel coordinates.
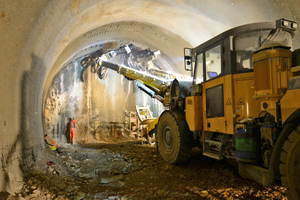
(74, 117)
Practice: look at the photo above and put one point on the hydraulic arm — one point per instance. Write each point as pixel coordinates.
(154, 82)
(156, 86)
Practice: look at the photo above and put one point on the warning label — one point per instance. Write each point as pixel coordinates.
(240, 102)
(228, 102)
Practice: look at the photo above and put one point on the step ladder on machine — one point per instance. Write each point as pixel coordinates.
(215, 144)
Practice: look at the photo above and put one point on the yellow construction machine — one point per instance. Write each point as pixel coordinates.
(243, 103)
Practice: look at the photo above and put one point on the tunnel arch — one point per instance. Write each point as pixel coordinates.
(35, 33)
(109, 37)
(149, 35)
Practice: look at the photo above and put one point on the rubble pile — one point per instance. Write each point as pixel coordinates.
(75, 173)
(121, 171)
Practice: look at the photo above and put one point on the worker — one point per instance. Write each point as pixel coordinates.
(73, 125)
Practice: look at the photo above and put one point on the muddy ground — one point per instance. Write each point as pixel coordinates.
(130, 170)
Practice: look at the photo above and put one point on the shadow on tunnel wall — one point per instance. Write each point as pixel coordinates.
(17, 161)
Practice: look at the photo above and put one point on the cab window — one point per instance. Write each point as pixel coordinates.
(213, 62)
(199, 69)
(246, 44)
(244, 47)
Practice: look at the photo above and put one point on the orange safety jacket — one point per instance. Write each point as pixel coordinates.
(73, 124)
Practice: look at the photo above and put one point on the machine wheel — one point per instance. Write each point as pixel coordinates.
(173, 139)
(290, 162)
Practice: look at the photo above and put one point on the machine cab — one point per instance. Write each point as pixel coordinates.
(223, 68)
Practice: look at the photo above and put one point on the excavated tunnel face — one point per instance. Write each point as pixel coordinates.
(99, 104)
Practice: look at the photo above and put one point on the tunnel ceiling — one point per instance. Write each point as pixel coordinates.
(142, 35)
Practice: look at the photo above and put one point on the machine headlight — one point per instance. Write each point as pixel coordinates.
(285, 23)
(294, 25)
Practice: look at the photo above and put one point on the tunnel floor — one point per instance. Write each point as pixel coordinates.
(132, 170)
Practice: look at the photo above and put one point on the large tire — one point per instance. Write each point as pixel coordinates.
(290, 165)
(173, 138)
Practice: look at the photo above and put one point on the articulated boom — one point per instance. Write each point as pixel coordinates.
(157, 84)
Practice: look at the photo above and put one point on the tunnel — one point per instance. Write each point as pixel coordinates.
(43, 42)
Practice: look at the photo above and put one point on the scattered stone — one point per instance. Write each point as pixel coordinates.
(204, 194)
(162, 193)
(121, 184)
(115, 172)
(182, 176)
(210, 197)
(37, 192)
(110, 168)
(113, 198)
(10, 197)
(112, 179)
(186, 195)
(166, 168)
(33, 187)
(32, 196)
(85, 175)
(50, 169)
(61, 149)
(80, 195)
(220, 191)
(57, 171)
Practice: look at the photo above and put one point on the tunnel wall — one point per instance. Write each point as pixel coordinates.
(98, 104)
(35, 34)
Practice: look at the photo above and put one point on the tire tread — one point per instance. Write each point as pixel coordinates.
(184, 152)
(284, 167)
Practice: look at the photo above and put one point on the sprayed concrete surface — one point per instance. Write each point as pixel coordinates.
(96, 103)
(39, 37)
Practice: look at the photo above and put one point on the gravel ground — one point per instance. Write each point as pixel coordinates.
(129, 170)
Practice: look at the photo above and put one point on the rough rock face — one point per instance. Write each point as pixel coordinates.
(129, 170)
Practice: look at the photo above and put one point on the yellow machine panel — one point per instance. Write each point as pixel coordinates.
(229, 105)
(272, 71)
(236, 99)
(244, 104)
(193, 112)
(149, 126)
(290, 103)
(214, 122)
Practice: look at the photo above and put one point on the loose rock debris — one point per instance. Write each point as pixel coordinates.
(122, 171)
